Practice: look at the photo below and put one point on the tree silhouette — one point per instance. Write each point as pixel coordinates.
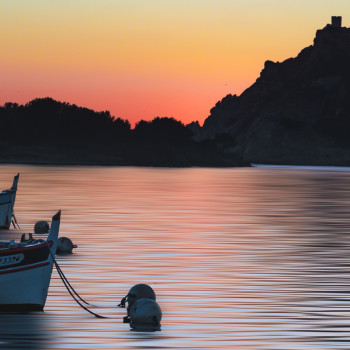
(48, 131)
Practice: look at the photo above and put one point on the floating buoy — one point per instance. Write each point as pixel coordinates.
(65, 246)
(140, 291)
(137, 292)
(41, 227)
(145, 315)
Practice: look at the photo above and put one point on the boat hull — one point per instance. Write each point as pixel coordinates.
(7, 202)
(25, 288)
(25, 271)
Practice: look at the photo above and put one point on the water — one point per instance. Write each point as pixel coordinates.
(247, 258)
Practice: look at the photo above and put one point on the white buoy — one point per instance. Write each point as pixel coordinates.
(145, 315)
(41, 227)
(65, 246)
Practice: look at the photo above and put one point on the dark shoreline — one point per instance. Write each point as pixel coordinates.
(26, 162)
(110, 161)
(91, 164)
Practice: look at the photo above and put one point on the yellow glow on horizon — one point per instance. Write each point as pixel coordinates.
(108, 50)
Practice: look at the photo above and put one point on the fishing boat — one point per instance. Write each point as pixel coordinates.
(7, 202)
(25, 271)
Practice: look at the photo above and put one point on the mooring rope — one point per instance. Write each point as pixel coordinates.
(69, 287)
(59, 270)
(15, 220)
(72, 295)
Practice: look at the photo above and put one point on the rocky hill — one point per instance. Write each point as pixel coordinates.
(297, 111)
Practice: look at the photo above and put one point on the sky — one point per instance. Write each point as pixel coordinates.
(141, 59)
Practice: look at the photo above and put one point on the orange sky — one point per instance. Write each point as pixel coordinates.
(146, 58)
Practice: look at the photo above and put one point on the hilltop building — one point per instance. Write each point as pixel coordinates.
(336, 21)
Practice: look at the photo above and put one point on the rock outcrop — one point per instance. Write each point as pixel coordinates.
(297, 111)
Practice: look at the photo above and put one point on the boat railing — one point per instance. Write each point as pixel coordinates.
(12, 244)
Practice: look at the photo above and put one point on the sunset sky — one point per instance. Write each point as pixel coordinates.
(145, 58)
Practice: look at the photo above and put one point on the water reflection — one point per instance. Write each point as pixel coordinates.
(22, 331)
(238, 258)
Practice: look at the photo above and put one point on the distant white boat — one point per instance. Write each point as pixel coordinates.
(7, 202)
(25, 271)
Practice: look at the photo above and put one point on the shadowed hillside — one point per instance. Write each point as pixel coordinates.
(297, 111)
(45, 131)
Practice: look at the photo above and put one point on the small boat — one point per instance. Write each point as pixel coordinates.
(7, 202)
(25, 271)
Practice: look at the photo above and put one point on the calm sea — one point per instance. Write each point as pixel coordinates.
(246, 258)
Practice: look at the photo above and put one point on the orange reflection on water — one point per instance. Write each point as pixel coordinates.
(239, 258)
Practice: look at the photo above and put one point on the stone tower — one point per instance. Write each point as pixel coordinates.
(336, 21)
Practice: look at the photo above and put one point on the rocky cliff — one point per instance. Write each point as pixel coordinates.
(297, 111)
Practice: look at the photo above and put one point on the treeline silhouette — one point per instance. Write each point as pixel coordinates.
(46, 131)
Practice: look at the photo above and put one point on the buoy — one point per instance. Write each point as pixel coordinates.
(65, 246)
(137, 292)
(41, 227)
(145, 315)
